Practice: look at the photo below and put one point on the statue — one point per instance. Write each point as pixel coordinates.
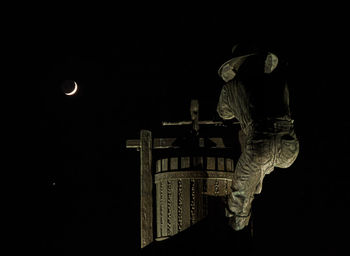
(256, 94)
(179, 175)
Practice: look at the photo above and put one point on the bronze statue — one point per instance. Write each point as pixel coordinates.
(179, 174)
(256, 94)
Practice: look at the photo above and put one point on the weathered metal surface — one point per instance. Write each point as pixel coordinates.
(193, 201)
(181, 191)
(158, 209)
(182, 182)
(186, 218)
(211, 163)
(174, 163)
(218, 187)
(146, 182)
(195, 163)
(185, 162)
(173, 189)
(180, 202)
(163, 209)
(229, 165)
(221, 164)
(158, 166)
(181, 198)
(164, 164)
(209, 175)
(200, 198)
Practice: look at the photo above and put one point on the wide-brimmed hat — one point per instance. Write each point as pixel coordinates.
(229, 69)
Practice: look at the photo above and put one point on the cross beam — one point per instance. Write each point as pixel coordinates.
(162, 143)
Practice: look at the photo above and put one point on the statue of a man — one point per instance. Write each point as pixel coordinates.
(256, 94)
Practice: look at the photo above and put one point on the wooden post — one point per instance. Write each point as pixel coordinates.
(194, 109)
(146, 182)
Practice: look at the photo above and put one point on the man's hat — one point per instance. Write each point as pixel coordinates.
(229, 69)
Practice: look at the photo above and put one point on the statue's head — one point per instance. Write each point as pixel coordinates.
(263, 61)
(230, 68)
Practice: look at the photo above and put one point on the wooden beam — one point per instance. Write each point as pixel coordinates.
(133, 144)
(161, 143)
(146, 182)
(204, 122)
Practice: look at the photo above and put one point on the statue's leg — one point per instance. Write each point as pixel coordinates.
(246, 178)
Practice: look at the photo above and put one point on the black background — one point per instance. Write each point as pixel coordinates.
(135, 70)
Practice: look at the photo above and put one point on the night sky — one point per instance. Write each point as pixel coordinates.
(135, 71)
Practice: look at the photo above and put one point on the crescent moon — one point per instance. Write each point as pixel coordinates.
(74, 90)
